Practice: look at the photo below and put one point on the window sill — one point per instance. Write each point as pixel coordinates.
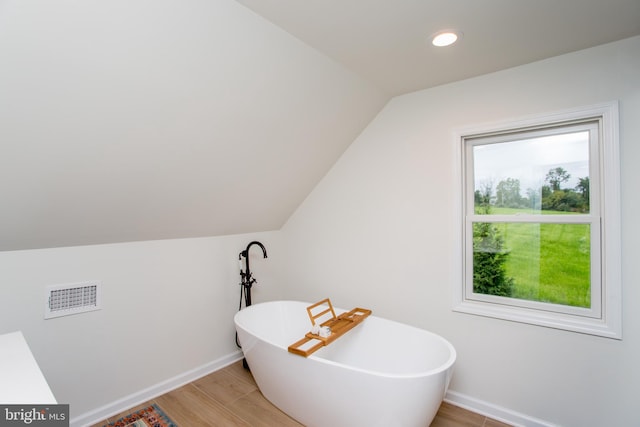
(580, 324)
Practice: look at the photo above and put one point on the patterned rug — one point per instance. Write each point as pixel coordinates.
(151, 416)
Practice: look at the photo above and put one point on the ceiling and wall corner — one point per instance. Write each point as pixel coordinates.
(388, 42)
(127, 121)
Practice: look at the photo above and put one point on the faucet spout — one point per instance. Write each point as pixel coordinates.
(255, 242)
(245, 254)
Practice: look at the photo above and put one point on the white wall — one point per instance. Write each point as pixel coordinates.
(377, 233)
(168, 308)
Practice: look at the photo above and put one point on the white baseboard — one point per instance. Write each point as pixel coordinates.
(494, 411)
(149, 393)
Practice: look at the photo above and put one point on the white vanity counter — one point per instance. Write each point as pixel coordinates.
(21, 380)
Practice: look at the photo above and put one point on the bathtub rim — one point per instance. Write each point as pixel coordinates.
(440, 369)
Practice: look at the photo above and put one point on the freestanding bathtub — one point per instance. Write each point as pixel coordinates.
(381, 373)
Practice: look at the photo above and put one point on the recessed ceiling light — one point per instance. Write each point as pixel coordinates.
(445, 38)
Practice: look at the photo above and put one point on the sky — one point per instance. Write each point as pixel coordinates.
(530, 160)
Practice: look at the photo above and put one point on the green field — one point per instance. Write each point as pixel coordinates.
(548, 262)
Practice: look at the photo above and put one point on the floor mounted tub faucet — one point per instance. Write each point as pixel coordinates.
(247, 279)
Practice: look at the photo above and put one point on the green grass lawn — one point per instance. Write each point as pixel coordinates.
(548, 262)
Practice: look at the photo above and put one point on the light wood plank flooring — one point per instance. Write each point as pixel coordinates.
(230, 397)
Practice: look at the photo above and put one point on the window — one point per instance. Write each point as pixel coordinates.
(539, 221)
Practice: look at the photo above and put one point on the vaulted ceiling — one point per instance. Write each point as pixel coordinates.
(154, 119)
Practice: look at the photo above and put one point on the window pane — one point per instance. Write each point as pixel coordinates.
(533, 175)
(534, 262)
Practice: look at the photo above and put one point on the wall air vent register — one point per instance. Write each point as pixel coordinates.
(74, 298)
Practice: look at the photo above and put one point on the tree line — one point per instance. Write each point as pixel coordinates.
(551, 196)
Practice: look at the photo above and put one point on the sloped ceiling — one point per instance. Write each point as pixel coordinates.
(135, 120)
(151, 119)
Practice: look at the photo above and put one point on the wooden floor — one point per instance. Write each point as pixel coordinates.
(230, 397)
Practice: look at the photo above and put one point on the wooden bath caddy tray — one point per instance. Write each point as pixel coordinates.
(339, 326)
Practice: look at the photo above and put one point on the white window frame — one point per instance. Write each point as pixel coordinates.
(604, 317)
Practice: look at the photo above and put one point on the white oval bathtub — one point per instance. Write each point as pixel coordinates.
(381, 373)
